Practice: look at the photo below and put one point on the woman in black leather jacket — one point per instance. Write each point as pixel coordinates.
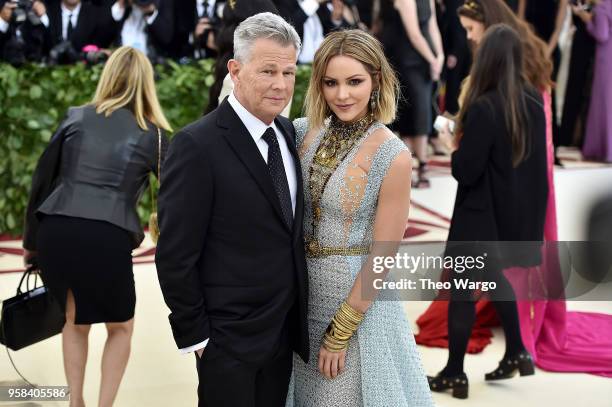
(81, 221)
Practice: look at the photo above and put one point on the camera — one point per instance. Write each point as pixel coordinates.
(24, 12)
(63, 53)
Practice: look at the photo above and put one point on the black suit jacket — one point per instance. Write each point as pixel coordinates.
(94, 26)
(495, 201)
(291, 11)
(229, 267)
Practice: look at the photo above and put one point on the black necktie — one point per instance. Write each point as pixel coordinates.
(205, 9)
(277, 172)
(70, 27)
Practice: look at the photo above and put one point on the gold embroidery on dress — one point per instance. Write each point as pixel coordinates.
(339, 139)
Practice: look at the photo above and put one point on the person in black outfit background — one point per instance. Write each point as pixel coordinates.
(81, 220)
(578, 90)
(233, 14)
(414, 46)
(230, 257)
(458, 55)
(22, 35)
(80, 23)
(196, 26)
(547, 17)
(500, 166)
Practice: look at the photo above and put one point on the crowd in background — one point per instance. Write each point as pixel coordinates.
(424, 40)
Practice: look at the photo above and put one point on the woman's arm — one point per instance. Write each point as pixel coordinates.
(42, 185)
(408, 12)
(561, 13)
(470, 160)
(434, 32)
(389, 224)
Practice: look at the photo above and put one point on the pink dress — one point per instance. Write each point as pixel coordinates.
(559, 340)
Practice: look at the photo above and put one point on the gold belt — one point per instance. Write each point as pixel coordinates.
(313, 249)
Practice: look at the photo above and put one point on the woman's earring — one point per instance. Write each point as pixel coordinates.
(374, 100)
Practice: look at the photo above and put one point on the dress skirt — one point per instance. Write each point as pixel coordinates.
(93, 259)
(414, 115)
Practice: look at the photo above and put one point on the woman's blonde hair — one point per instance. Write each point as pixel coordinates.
(127, 81)
(366, 49)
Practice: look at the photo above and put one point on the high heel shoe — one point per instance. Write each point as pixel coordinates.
(421, 180)
(521, 362)
(459, 384)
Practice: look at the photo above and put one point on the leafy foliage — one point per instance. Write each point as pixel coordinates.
(34, 99)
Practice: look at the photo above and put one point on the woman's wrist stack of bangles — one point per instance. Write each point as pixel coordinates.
(341, 328)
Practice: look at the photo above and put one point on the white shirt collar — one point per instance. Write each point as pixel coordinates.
(255, 126)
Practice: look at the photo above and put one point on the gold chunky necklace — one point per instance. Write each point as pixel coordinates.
(338, 140)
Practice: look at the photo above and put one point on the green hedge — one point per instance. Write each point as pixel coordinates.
(34, 99)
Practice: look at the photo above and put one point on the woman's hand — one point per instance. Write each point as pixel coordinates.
(445, 137)
(28, 256)
(436, 68)
(331, 364)
(584, 15)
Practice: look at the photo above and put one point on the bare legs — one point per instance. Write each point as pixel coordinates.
(74, 345)
(418, 146)
(114, 359)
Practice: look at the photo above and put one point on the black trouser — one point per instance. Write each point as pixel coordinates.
(462, 315)
(228, 382)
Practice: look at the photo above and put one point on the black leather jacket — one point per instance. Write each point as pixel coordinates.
(95, 167)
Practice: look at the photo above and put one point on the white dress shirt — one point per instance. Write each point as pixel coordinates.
(256, 129)
(68, 15)
(313, 31)
(133, 32)
(210, 10)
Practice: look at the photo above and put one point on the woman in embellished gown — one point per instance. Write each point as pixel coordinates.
(357, 192)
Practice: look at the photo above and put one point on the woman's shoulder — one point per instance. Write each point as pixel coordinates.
(387, 146)
(382, 137)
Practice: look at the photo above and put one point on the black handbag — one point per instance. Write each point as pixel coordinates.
(30, 316)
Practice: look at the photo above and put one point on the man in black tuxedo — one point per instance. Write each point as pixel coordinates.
(230, 258)
(80, 23)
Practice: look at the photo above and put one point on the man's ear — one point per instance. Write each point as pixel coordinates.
(233, 67)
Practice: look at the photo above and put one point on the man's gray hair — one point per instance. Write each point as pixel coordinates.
(260, 26)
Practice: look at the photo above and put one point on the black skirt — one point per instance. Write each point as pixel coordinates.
(93, 259)
(414, 117)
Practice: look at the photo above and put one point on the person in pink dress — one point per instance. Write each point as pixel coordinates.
(557, 340)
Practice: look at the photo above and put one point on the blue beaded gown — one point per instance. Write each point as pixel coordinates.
(383, 366)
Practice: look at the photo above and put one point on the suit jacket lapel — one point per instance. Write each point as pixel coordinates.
(245, 148)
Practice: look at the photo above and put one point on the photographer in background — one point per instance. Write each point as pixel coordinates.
(196, 26)
(21, 31)
(147, 25)
(72, 25)
(312, 19)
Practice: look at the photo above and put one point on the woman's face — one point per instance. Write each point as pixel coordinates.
(474, 29)
(347, 87)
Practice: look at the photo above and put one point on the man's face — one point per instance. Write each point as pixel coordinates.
(264, 83)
